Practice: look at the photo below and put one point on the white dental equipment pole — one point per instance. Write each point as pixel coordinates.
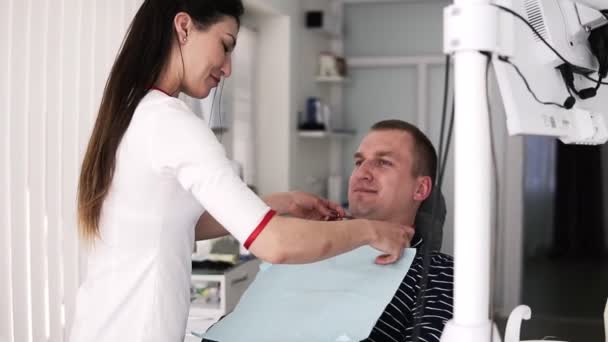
(471, 26)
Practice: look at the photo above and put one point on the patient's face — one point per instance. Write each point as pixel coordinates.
(382, 185)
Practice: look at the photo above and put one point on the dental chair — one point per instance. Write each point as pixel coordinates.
(431, 230)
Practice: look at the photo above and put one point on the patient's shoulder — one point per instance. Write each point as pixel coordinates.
(441, 275)
(440, 270)
(435, 258)
(442, 259)
(441, 266)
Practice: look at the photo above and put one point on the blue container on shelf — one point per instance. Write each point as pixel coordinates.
(313, 118)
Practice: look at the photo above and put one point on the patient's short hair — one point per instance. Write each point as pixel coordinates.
(425, 156)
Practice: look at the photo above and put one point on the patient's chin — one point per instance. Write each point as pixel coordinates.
(364, 198)
(361, 211)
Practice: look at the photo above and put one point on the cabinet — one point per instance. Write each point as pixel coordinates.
(215, 293)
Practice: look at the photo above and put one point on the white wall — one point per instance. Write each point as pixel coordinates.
(275, 91)
(272, 7)
(507, 266)
(274, 104)
(243, 129)
(54, 62)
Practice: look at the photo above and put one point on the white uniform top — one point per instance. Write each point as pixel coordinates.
(169, 169)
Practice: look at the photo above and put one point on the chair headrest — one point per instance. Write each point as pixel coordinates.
(432, 232)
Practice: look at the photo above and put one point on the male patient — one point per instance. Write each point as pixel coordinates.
(393, 174)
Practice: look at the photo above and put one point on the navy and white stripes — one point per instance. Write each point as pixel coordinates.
(396, 324)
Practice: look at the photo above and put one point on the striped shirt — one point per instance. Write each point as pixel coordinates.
(396, 324)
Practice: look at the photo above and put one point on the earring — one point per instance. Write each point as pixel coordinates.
(184, 39)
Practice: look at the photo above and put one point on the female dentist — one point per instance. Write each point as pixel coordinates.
(154, 179)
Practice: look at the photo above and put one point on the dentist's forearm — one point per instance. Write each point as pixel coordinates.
(295, 241)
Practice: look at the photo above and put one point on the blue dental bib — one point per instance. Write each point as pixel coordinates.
(339, 299)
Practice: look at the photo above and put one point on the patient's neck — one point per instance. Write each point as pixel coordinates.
(406, 219)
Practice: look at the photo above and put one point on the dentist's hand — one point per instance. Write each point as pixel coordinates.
(304, 205)
(391, 239)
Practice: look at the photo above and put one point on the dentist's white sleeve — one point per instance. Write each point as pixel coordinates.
(181, 145)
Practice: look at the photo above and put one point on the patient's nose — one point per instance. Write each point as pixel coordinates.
(364, 171)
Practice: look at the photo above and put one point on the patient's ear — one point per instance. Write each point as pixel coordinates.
(423, 188)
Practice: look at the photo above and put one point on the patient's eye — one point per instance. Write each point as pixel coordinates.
(358, 162)
(384, 162)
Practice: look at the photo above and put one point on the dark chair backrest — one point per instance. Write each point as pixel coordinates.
(431, 231)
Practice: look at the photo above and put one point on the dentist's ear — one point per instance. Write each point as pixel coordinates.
(423, 190)
(182, 23)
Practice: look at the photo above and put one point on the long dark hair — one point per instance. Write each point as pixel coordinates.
(144, 53)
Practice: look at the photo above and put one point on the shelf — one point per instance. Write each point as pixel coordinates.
(330, 79)
(327, 33)
(326, 134)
